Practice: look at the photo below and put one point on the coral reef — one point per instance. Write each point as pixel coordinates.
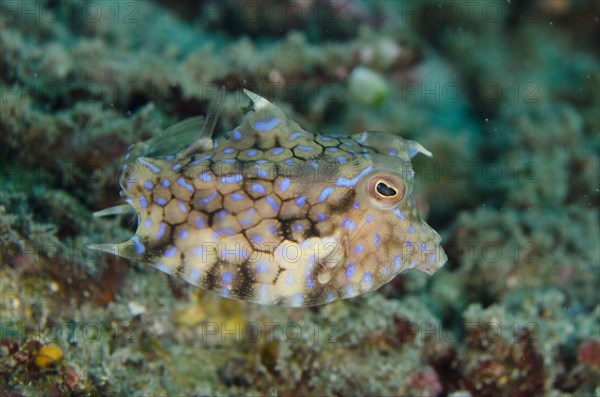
(505, 95)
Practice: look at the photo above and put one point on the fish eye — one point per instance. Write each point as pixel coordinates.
(384, 191)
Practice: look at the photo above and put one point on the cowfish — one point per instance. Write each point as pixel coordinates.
(273, 214)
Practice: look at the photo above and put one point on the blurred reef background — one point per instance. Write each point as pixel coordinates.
(505, 93)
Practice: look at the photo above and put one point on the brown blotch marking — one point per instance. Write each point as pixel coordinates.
(285, 229)
(212, 278)
(342, 201)
(243, 283)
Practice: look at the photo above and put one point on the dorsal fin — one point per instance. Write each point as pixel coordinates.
(205, 138)
(168, 142)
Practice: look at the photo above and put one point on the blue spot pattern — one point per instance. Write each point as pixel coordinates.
(272, 203)
(187, 186)
(161, 230)
(351, 182)
(348, 224)
(397, 263)
(161, 201)
(262, 267)
(350, 270)
(325, 194)
(150, 166)
(205, 177)
(163, 268)
(233, 178)
(208, 199)
(183, 234)
(400, 215)
(305, 148)
(227, 277)
(195, 274)
(258, 188)
(359, 249)
(266, 125)
(139, 247)
(171, 251)
(298, 300)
